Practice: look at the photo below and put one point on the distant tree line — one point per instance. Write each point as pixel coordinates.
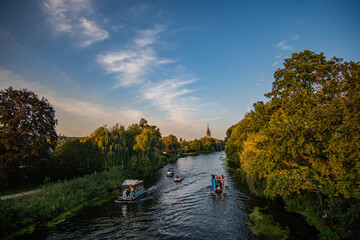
(31, 151)
(303, 143)
(171, 145)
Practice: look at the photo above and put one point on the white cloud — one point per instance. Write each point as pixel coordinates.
(148, 36)
(75, 18)
(132, 64)
(169, 96)
(283, 45)
(129, 65)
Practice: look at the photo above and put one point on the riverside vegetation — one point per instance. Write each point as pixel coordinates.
(75, 171)
(303, 144)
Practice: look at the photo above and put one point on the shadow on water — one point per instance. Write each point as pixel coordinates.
(183, 210)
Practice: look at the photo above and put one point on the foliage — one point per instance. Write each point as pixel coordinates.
(113, 143)
(264, 226)
(170, 144)
(138, 148)
(306, 137)
(147, 149)
(27, 132)
(77, 158)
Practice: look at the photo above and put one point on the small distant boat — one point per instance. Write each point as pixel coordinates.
(132, 190)
(218, 184)
(178, 178)
(170, 172)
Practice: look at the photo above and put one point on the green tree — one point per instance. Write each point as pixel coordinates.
(77, 158)
(147, 149)
(170, 144)
(27, 133)
(195, 145)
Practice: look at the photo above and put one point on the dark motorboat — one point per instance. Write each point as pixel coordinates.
(218, 184)
(132, 190)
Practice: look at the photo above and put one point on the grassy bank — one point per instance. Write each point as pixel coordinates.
(56, 199)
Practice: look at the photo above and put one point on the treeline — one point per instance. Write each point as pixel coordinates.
(171, 145)
(137, 148)
(31, 151)
(303, 144)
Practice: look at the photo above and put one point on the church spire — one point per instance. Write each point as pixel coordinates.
(208, 132)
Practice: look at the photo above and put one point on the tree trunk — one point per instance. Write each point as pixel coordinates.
(319, 196)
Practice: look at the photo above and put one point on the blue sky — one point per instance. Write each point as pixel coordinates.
(178, 64)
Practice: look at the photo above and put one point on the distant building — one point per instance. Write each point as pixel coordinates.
(208, 132)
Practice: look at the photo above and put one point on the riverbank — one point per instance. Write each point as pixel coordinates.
(56, 199)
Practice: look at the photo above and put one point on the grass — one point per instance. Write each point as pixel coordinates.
(265, 227)
(57, 200)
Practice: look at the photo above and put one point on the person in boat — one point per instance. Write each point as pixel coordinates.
(132, 193)
(125, 193)
(218, 187)
(213, 183)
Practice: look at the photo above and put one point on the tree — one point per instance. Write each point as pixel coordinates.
(170, 144)
(27, 133)
(306, 136)
(195, 145)
(147, 157)
(77, 158)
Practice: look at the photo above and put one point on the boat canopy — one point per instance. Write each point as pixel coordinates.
(131, 183)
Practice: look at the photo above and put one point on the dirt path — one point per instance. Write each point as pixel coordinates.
(19, 194)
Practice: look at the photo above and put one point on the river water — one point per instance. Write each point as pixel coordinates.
(178, 210)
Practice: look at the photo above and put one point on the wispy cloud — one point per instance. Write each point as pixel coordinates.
(278, 59)
(132, 64)
(75, 18)
(283, 45)
(148, 36)
(296, 37)
(169, 96)
(129, 65)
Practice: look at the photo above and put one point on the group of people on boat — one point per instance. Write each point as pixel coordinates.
(218, 183)
(129, 193)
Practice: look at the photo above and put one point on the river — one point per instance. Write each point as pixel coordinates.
(178, 210)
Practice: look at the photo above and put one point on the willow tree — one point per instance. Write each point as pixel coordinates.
(147, 157)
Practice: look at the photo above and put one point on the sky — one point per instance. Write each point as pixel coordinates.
(179, 64)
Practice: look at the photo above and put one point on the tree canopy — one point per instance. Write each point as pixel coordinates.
(306, 136)
(304, 141)
(27, 132)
